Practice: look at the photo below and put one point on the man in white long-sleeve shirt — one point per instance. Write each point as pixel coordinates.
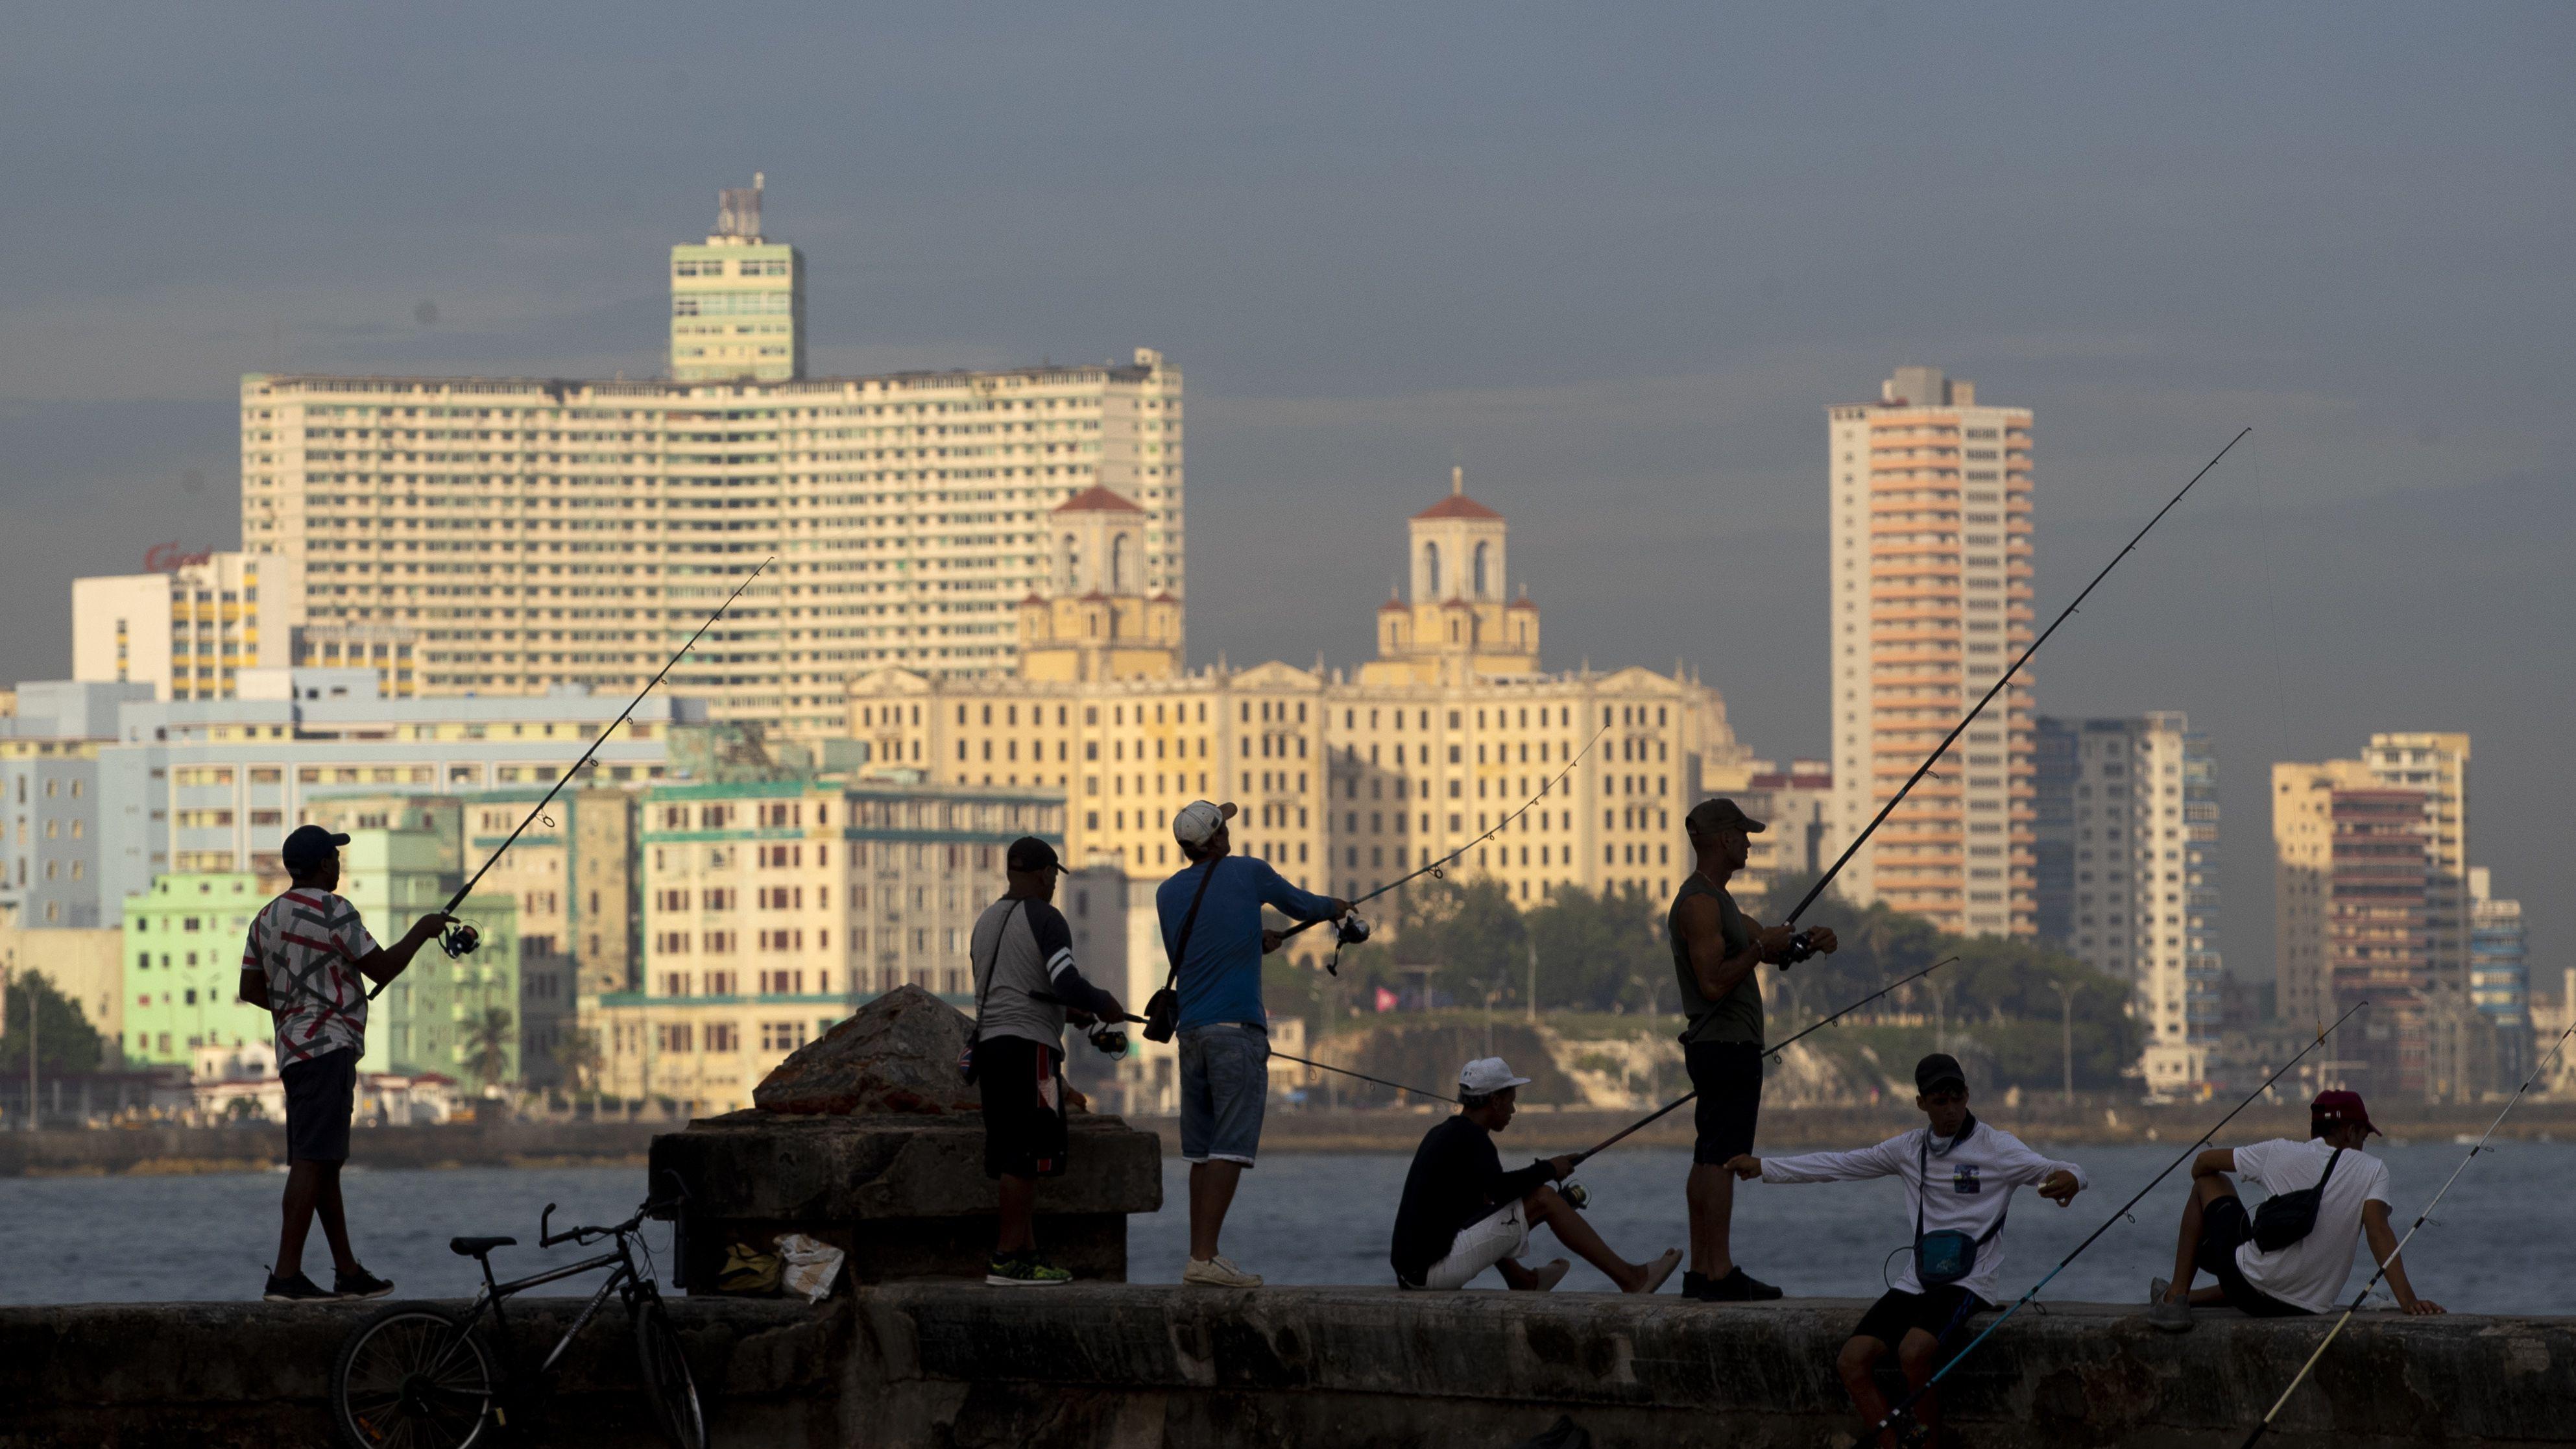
(1959, 1177)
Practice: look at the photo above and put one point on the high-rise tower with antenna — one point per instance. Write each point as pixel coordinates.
(738, 299)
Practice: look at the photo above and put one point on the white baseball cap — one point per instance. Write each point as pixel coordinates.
(1487, 1075)
(1200, 820)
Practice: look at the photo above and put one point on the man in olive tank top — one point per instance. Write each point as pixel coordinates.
(1715, 950)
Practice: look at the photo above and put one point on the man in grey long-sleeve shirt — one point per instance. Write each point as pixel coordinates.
(1026, 984)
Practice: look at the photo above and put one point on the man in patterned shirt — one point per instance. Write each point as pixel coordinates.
(308, 962)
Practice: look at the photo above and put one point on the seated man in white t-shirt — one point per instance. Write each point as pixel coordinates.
(2305, 1276)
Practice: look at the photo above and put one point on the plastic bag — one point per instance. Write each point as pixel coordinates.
(811, 1267)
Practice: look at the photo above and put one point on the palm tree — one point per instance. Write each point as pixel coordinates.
(576, 1055)
(487, 1043)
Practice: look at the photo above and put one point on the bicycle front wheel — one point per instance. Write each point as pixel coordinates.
(412, 1376)
(667, 1384)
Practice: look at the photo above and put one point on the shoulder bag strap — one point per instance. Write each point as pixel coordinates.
(1923, 1171)
(986, 988)
(1181, 943)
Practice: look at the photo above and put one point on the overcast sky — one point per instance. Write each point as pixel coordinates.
(1613, 260)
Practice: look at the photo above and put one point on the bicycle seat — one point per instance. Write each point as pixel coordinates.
(477, 1247)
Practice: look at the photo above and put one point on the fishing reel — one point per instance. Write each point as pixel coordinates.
(459, 940)
(1575, 1194)
(1107, 1037)
(1802, 947)
(1351, 930)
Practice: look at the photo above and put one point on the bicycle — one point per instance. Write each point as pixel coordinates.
(421, 1377)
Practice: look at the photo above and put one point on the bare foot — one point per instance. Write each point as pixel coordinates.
(1657, 1271)
(1543, 1279)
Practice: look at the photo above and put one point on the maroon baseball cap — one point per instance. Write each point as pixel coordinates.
(2337, 1107)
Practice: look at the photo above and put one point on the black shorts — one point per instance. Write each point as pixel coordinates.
(319, 1094)
(1938, 1312)
(1728, 1077)
(2224, 1227)
(1024, 1133)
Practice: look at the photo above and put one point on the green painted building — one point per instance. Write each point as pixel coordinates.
(183, 952)
(737, 300)
(425, 1021)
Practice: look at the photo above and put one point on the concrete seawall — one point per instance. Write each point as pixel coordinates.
(1108, 1366)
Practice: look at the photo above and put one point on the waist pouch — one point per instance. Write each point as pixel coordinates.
(2286, 1217)
(1947, 1255)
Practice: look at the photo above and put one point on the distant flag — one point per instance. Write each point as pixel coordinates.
(1386, 999)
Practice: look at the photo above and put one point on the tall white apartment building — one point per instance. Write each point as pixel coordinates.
(1931, 580)
(189, 629)
(525, 533)
(2131, 825)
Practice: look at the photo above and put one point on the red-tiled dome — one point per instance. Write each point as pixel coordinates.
(1457, 505)
(1097, 499)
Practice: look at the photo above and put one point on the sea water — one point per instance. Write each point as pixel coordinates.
(2504, 1241)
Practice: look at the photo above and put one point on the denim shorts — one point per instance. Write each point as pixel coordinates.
(1225, 1082)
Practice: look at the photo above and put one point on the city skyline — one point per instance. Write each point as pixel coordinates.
(1645, 416)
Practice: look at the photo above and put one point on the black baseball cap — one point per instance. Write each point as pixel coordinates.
(1710, 816)
(1030, 853)
(308, 846)
(1937, 1071)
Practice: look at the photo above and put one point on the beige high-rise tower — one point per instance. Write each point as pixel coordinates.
(1931, 583)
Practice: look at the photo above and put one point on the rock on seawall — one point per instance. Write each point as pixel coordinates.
(898, 1054)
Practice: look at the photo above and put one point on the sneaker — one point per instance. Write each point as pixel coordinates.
(2170, 1316)
(296, 1289)
(360, 1284)
(1694, 1286)
(1218, 1272)
(1660, 1269)
(1737, 1287)
(1024, 1270)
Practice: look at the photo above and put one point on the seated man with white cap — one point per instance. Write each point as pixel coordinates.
(1463, 1214)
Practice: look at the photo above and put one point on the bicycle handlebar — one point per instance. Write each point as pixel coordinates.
(651, 1207)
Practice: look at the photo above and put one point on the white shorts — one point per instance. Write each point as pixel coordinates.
(1503, 1233)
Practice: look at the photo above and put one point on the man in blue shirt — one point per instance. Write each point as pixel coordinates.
(1224, 1034)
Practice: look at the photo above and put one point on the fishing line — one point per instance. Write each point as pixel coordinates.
(1351, 930)
(460, 940)
(2420, 1219)
(2122, 1211)
(1614, 1139)
(1934, 758)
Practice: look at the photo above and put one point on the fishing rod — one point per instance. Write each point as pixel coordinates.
(459, 940)
(1952, 738)
(1632, 1128)
(1363, 1076)
(1350, 930)
(1124, 1017)
(2420, 1219)
(2122, 1211)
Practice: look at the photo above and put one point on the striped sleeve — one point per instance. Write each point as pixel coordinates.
(1054, 939)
